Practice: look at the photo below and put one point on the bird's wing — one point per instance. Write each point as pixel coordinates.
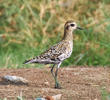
(55, 54)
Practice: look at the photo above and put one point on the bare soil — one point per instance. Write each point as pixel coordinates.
(78, 83)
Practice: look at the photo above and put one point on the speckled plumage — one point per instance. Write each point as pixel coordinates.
(55, 54)
(59, 52)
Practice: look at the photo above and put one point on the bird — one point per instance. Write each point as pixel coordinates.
(57, 53)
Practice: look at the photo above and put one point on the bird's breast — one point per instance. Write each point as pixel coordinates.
(69, 49)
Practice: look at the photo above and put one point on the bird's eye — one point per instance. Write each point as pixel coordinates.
(72, 25)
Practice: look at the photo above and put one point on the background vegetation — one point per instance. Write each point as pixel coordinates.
(28, 27)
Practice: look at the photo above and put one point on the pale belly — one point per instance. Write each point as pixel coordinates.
(68, 52)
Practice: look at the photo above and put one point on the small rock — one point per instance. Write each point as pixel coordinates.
(46, 83)
(96, 99)
(57, 97)
(49, 98)
(40, 99)
(14, 79)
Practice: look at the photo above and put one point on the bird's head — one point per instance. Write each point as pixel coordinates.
(71, 25)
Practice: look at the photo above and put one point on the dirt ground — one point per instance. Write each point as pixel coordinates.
(78, 83)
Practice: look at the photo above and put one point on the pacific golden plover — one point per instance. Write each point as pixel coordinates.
(59, 52)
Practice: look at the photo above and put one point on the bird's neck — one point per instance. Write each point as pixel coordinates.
(68, 35)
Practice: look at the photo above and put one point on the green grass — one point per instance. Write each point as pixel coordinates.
(105, 94)
(27, 28)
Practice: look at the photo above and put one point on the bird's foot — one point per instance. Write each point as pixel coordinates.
(57, 86)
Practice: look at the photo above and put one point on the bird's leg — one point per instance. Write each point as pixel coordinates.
(52, 71)
(57, 85)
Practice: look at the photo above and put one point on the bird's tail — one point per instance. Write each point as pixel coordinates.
(30, 61)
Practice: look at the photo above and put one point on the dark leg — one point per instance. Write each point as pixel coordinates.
(57, 85)
(52, 71)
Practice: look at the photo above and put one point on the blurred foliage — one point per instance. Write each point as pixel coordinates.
(28, 27)
(104, 93)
